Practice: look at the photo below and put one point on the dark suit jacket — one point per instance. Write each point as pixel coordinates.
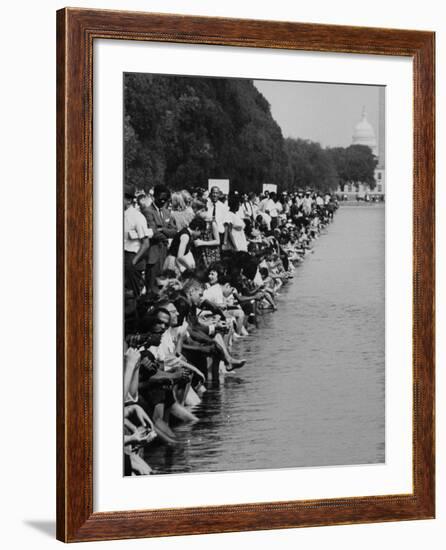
(163, 226)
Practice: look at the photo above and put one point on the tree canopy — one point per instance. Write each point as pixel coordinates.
(182, 130)
(310, 166)
(355, 164)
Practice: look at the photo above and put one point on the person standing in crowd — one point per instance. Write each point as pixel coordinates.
(218, 211)
(180, 256)
(236, 227)
(189, 211)
(307, 203)
(300, 199)
(279, 204)
(141, 201)
(286, 201)
(249, 207)
(264, 201)
(273, 211)
(207, 249)
(163, 226)
(268, 206)
(136, 243)
(295, 208)
(178, 212)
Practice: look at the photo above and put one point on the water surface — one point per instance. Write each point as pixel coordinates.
(312, 392)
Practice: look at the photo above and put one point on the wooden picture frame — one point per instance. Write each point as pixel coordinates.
(76, 31)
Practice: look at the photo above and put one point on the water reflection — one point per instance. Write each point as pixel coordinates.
(312, 392)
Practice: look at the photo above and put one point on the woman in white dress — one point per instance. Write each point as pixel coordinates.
(236, 225)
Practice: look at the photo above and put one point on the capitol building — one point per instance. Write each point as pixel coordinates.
(364, 134)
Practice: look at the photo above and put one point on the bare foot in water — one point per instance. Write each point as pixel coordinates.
(164, 432)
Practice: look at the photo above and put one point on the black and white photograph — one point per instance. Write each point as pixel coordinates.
(233, 221)
(254, 274)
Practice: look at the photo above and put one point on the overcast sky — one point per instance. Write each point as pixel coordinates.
(326, 113)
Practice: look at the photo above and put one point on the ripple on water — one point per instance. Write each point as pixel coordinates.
(312, 391)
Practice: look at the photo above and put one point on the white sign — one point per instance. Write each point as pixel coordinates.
(271, 187)
(223, 185)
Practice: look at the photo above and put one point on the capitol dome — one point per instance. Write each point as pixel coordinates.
(364, 134)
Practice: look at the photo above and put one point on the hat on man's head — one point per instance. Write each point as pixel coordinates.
(129, 191)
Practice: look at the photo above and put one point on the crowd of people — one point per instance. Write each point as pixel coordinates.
(199, 269)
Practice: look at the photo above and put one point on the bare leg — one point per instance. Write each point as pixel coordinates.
(215, 368)
(239, 317)
(229, 360)
(182, 413)
(161, 426)
(139, 465)
(267, 296)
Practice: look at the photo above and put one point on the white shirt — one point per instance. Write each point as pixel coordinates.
(258, 278)
(166, 347)
(307, 204)
(214, 294)
(221, 214)
(266, 219)
(268, 205)
(135, 229)
(166, 350)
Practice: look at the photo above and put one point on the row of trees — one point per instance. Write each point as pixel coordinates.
(325, 169)
(183, 130)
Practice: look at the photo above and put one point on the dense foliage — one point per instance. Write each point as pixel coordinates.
(183, 130)
(354, 165)
(310, 166)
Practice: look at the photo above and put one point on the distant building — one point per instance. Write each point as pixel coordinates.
(364, 134)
